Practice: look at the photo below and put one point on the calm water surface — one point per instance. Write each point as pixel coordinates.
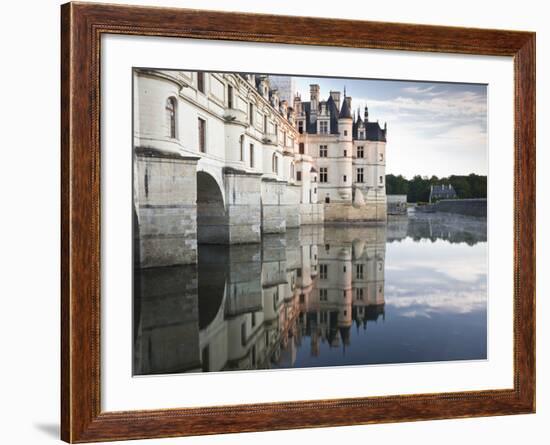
(413, 290)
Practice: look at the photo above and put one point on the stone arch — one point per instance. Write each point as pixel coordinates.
(212, 217)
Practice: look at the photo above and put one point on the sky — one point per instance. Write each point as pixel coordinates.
(433, 128)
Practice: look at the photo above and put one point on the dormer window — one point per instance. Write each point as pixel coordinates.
(301, 127)
(323, 127)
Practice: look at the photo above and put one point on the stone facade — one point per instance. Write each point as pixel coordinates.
(221, 158)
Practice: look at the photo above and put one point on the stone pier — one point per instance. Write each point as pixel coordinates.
(165, 209)
(243, 196)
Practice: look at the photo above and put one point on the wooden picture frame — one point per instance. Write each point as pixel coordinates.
(82, 26)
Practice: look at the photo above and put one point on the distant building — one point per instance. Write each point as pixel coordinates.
(397, 204)
(443, 191)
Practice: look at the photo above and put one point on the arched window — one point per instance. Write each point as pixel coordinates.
(275, 164)
(241, 147)
(171, 116)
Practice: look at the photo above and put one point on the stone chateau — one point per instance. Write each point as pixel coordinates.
(222, 158)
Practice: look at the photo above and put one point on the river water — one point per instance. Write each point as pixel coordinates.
(411, 290)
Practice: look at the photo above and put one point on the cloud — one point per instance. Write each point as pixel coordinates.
(419, 90)
(464, 104)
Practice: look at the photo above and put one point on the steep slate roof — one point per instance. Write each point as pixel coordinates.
(345, 111)
(375, 132)
(333, 110)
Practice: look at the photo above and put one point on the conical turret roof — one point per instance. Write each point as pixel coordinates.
(345, 111)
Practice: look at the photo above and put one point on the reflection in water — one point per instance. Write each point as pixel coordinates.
(410, 291)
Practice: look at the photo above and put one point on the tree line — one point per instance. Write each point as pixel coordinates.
(417, 189)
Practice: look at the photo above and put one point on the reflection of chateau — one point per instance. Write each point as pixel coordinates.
(222, 158)
(253, 305)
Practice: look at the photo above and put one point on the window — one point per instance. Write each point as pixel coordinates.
(323, 294)
(229, 96)
(327, 199)
(284, 138)
(301, 127)
(323, 271)
(276, 130)
(265, 124)
(302, 148)
(205, 359)
(345, 153)
(251, 114)
(323, 174)
(243, 334)
(323, 151)
(171, 116)
(292, 170)
(323, 127)
(241, 147)
(253, 319)
(252, 155)
(202, 135)
(275, 164)
(298, 176)
(381, 180)
(359, 293)
(345, 132)
(381, 157)
(299, 272)
(200, 82)
(345, 178)
(360, 151)
(360, 177)
(359, 271)
(361, 135)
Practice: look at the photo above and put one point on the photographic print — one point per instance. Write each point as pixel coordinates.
(285, 221)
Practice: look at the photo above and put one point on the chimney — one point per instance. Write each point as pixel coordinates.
(314, 92)
(314, 102)
(336, 98)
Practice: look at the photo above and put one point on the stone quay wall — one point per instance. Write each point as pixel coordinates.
(469, 207)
